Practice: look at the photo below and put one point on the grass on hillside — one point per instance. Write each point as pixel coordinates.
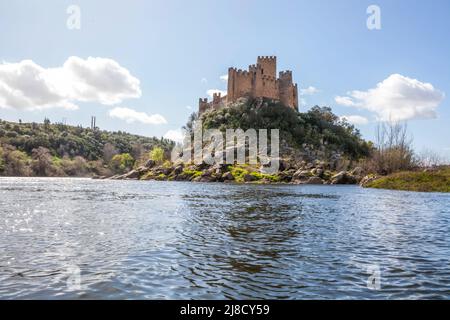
(422, 181)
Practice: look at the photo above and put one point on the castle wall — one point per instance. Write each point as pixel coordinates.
(266, 87)
(295, 98)
(243, 84)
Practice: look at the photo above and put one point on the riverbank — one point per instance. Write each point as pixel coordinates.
(315, 173)
(428, 180)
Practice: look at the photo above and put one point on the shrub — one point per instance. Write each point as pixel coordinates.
(16, 163)
(157, 155)
(318, 127)
(2, 160)
(42, 163)
(121, 163)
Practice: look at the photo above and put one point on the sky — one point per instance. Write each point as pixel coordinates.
(140, 66)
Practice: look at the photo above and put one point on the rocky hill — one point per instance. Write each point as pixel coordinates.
(316, 147)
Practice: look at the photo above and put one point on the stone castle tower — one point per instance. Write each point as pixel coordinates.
(259, 81)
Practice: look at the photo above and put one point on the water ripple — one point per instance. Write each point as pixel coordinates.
(163, 240)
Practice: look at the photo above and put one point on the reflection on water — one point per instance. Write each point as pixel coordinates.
(163, 240)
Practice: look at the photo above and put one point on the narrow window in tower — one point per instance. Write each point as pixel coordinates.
(262, 71)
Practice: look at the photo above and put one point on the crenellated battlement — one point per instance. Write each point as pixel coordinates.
(267, 58)
(285, 73)
(259, 81)
(243, 73)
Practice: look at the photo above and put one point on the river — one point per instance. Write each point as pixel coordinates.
(64, 238)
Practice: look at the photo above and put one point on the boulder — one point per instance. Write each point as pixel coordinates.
(249, 178)
(367, 179)
(178, 169)
(286, 176)
(314, 180)
(207, 179)
(301, 175)
(343, 177)
(227, 176)
(133, 174)
(317, 172)
(150, 163)
(309, 166)
(357, 171)
(284, 165)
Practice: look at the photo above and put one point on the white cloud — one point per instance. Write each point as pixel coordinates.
(224, 78)
(211, 92)
(344, 101)
(397, 98)
(27, 86)
(309, 91)
(356, 120)
(175, 135)
(131, 116)
(204, 80)
(189, 107)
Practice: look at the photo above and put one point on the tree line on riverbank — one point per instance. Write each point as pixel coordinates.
(46, 149)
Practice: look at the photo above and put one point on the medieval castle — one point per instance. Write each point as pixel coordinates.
(260, 81)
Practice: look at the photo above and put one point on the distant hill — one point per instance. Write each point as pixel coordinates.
(23, 145)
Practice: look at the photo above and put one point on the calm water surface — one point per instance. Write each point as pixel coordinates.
(168, 240)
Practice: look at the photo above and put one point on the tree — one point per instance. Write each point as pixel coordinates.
(42, 163)
(122, 162)
(189, 127)
(428, 158)
(16, 162)
(109, 151)
(393, 149)
(157, 155)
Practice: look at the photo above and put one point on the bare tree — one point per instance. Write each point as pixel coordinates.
(428, 158)
(394, 150)
(109, 151)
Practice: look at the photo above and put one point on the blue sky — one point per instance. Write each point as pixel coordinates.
(177, 50)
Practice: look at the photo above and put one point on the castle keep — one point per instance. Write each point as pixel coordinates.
(259, 81)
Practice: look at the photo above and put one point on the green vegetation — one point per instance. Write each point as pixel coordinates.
(192, 173)
(425, 181)
(240, 172)
(268, 177)
(157, 155)
(32, 149)
(122, 163)
(317, 127)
